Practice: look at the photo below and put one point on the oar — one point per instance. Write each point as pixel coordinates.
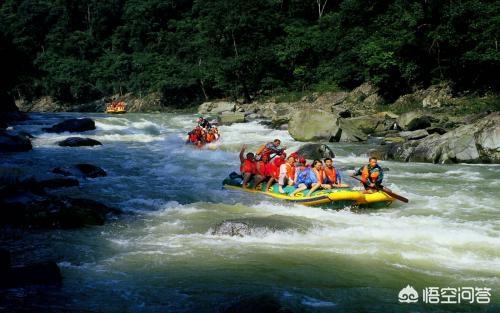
(387, 191)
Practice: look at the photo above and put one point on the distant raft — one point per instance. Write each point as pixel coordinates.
(327, 198)
(116, 108)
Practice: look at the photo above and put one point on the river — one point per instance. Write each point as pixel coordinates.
(161, 255)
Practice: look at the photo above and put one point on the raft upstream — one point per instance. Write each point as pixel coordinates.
(328, 198)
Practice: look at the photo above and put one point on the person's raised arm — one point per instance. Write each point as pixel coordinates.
(242, 152)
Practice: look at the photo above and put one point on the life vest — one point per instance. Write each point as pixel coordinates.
(210, 137)
(261, 149)
(331, 174)
(319, 175)
(264, 151)
(261, 168)
(290, 171)
(274, 167)
(367, 175)
(248, 166)
(193, 137)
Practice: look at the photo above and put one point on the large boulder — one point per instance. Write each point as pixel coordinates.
(414, 120)
(72, 125)
(478, 142)
(78, 142)
(216, 107)
(313, 124)
(315, 151)
(10, 142)
(228, 118)
(349, 132)
(368, 124)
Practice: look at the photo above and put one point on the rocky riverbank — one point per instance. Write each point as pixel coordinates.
(426, 126)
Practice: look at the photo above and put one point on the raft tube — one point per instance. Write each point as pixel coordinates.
(328, 198)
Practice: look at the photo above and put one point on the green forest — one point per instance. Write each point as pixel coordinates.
(78, 51)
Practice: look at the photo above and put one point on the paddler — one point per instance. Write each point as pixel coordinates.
(287, 174)
(270, 148)
(332, 175)
(371, 174)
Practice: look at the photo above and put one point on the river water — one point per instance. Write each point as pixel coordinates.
(161, 255)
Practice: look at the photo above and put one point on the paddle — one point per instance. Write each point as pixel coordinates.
(387, 191)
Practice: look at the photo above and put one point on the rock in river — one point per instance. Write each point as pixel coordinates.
(79, 142)
(72, 125)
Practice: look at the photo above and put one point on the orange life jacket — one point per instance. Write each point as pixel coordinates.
(319, 175)
(210, 137)
(331, 174)
(366, 175)
(290, 171)
(274, 167)
(248, 166)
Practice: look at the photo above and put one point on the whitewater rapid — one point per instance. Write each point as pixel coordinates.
(163, 256)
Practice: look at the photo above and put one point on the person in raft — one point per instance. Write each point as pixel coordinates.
(287, 174)
(332, 175)
(273, 169)
(311, 177)
(247, 166)
(269, 148)
(371, 174)
(203, 123)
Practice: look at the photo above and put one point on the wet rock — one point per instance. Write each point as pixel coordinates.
(232, 228)
(414, 120)
(90, 170)
(314, 151)
(78, 142)
(312, 124)
(10, 142)
(44, 273)
(228, 118)
(393, 139)
(80, 170)
(436, 130)
(72, 125)
(27, 210)
(414, 135)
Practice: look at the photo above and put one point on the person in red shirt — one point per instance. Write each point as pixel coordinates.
(247, 166)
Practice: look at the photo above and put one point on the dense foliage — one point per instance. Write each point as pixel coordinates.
(190, 50)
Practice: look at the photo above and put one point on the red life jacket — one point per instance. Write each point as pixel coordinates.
(260, 168)
(274, 167)
(366, 175)
(331, 174)
(248, 166)
(193, 138)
